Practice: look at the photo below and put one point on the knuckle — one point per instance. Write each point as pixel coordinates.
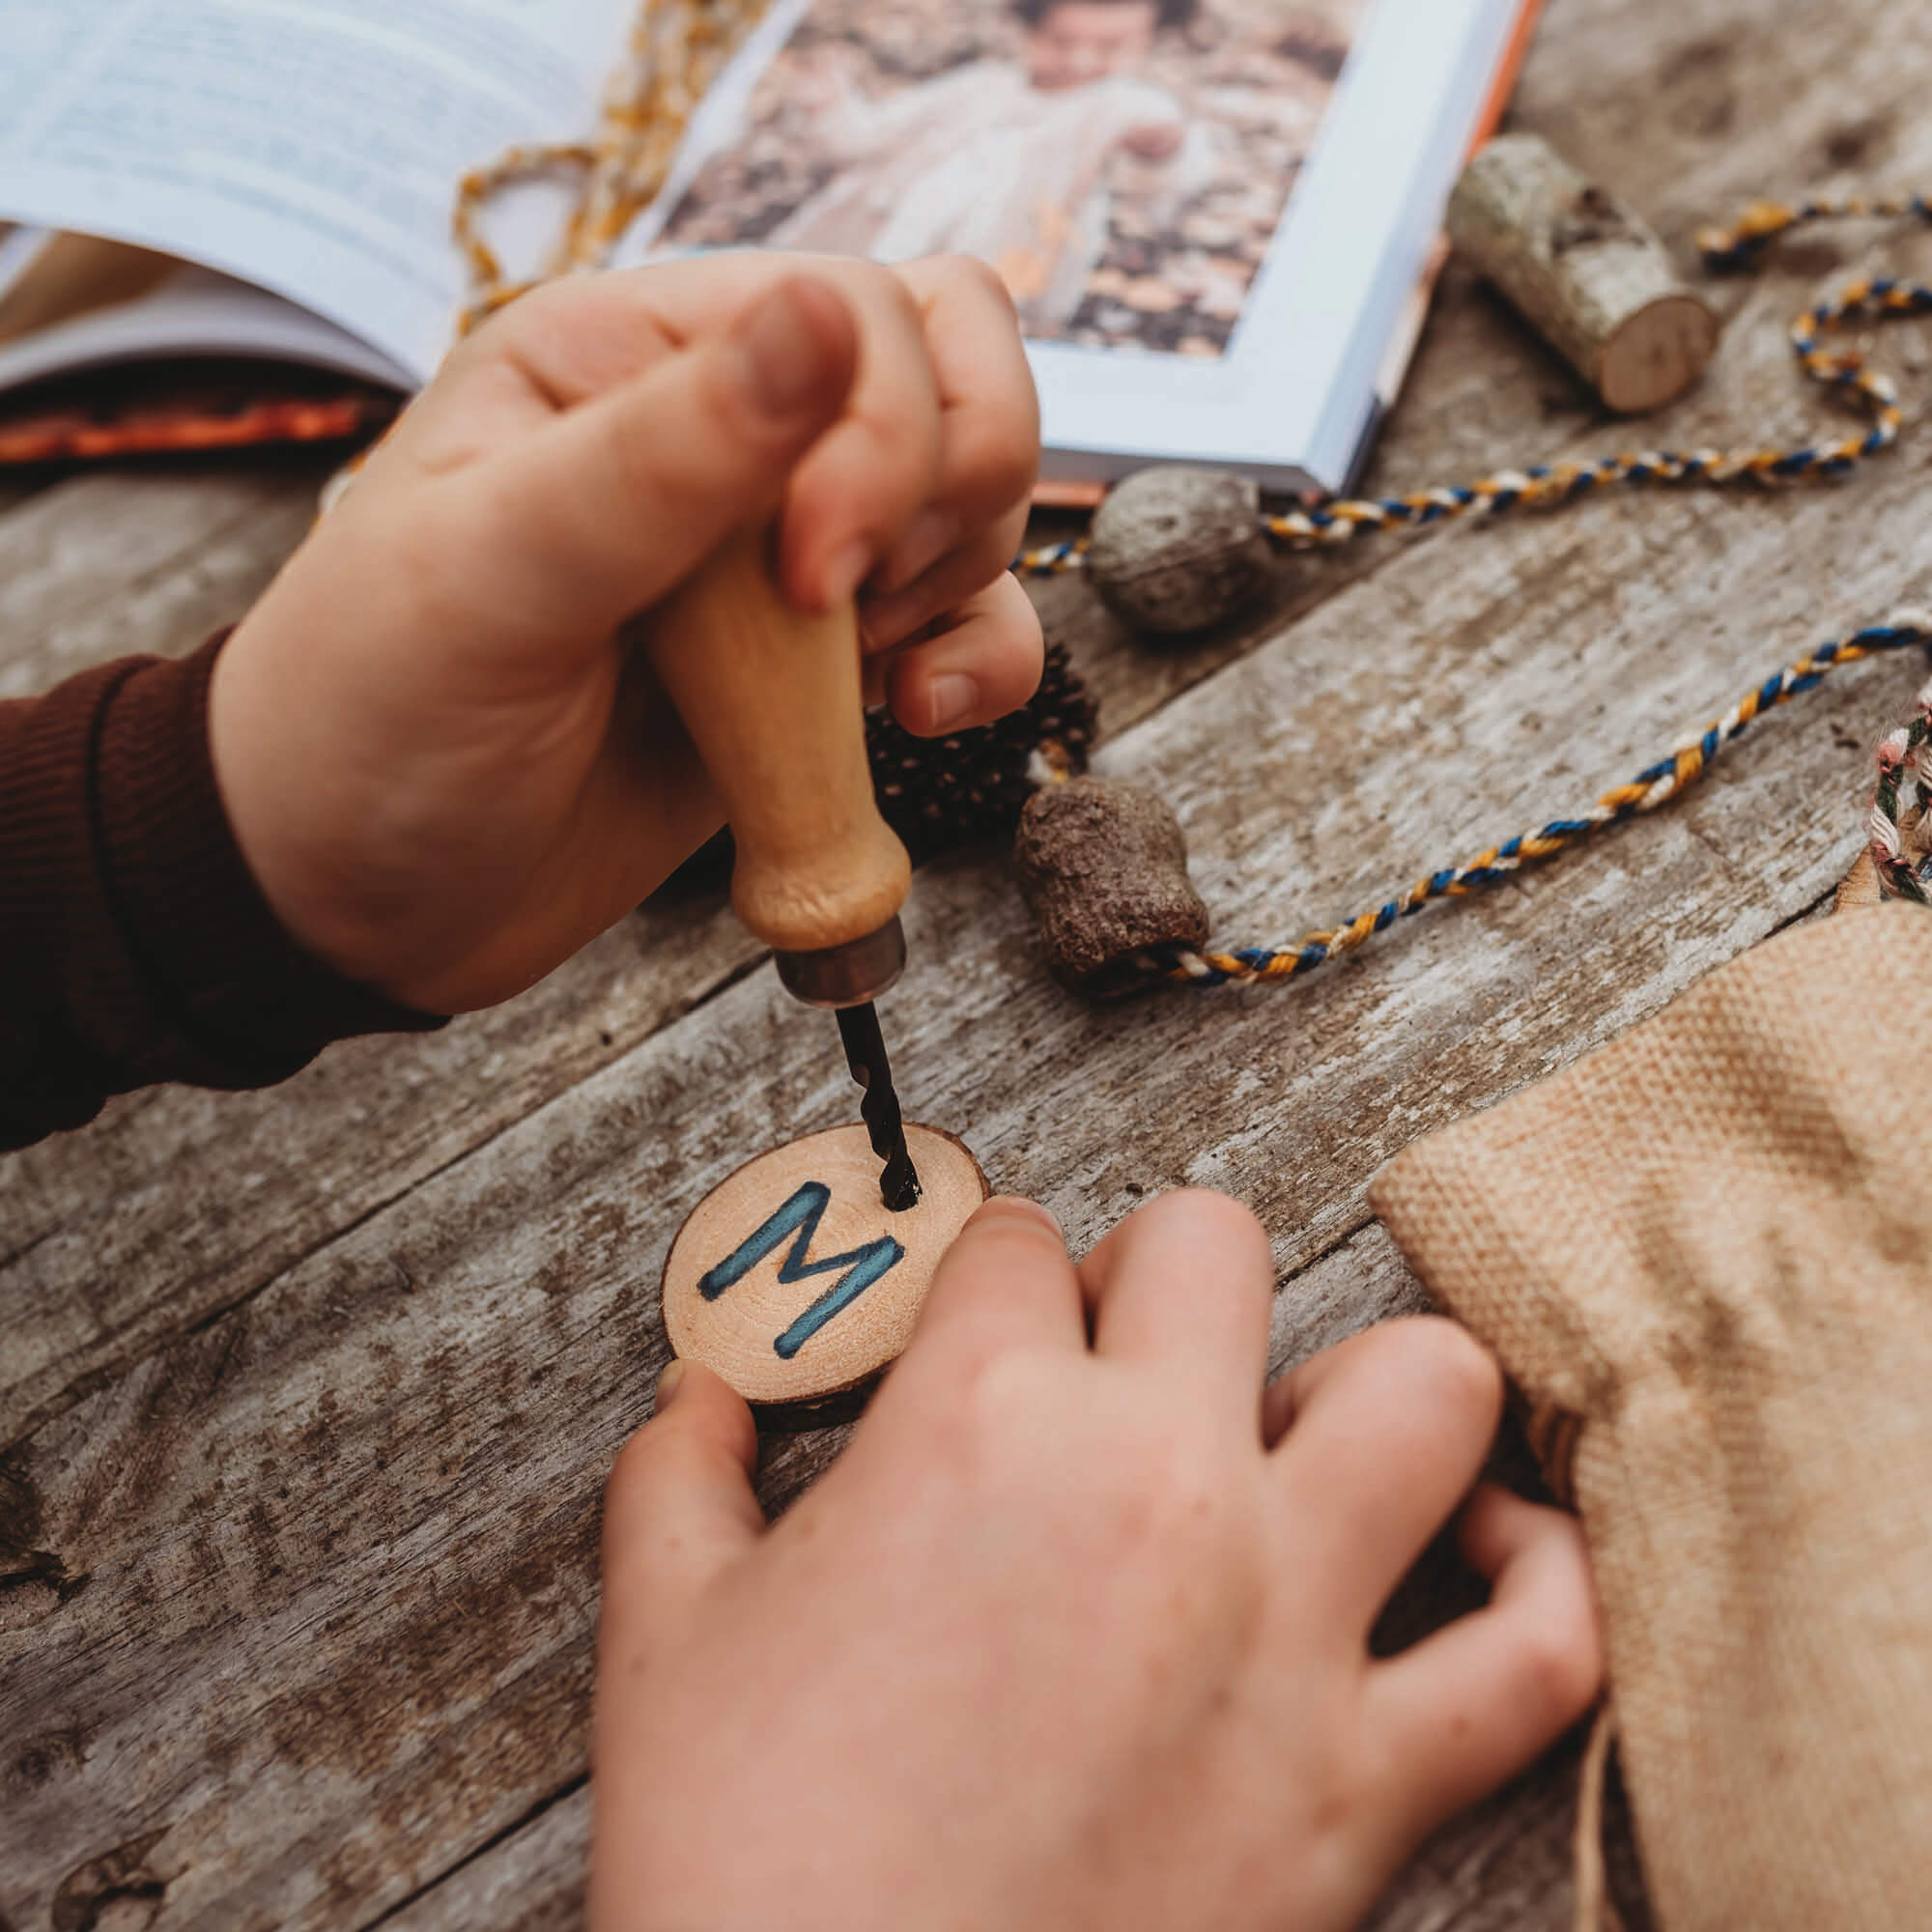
(1562, 1668)
(989, 1402)
(895, 295)
(1174, 1494)
(1008, 535)
(527, 320)
(633, 1472)
(999, 459)
(969, 274)
(996, 439)
(1463, 1373)
(1183, 1518)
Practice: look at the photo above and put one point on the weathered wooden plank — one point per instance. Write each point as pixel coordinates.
(506, 1062)
(173, 584)
(533, 1878)
(214, 1194)
(1295, 1077)
(150, 560)
(301, 1707)
(439, 1390)
(16, 487)
(1711, 102)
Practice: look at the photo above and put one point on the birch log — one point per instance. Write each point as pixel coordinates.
(1595, 281)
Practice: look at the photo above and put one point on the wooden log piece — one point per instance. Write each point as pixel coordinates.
(1176, 549)
(793, 1281)
(1103, 864)
(1585, 270)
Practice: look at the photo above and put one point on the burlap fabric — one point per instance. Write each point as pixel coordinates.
(1710, 1246)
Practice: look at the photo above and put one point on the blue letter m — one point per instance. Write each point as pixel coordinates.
(800, 1216)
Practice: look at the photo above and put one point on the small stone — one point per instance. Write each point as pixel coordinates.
(1176, 549)
(1104, 868)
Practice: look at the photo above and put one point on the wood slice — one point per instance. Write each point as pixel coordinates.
(793, 1281)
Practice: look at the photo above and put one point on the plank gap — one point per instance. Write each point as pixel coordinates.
(81, 1387)
(478, 1851)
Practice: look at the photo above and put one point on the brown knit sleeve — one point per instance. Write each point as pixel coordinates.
(134, 945)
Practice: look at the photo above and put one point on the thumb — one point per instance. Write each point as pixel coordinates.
(679, 1509)
(627, 494)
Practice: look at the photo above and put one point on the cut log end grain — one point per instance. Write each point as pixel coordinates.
(1655, 354)
(1176, 549)
(1103, 865)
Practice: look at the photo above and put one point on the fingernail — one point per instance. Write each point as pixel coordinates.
(956, 699)
(785, 364)
(846, 571)
(668, 1384)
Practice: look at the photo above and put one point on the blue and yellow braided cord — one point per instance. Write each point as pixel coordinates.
(1904, 789)
(1657, 784)
(1546, 486)
(1739, 245)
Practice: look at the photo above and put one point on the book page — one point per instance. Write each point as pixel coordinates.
(312, 148)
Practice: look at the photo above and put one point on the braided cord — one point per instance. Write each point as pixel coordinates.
(673, 55)
(1546, 486)
(1657, 784)
(1739, 245)
(1899, 803)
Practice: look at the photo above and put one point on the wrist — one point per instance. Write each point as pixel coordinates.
(285, 814)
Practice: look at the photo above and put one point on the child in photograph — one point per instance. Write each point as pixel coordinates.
(1005, 160)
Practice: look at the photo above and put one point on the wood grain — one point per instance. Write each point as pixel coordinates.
(770, 696)
(152, 561)
(310, 1394)
(780, 1333)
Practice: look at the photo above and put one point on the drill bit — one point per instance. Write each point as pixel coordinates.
(866, 1056)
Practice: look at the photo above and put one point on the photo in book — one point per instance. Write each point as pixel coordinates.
(1216, 217)
(1122, 165)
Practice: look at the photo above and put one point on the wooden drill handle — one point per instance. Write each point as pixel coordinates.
(772, 698)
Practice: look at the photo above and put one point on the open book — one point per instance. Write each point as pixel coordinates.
(1215, 216)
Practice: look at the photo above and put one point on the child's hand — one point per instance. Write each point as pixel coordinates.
(1154, 140)
(442, 765)
(1075, 1633)
(823, 78)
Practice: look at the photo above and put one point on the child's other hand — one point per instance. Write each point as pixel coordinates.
(1075, 1633)
(444, 768)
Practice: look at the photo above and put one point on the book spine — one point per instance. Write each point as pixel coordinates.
(1507, 72)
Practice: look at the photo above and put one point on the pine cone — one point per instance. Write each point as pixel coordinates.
(939, 793)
